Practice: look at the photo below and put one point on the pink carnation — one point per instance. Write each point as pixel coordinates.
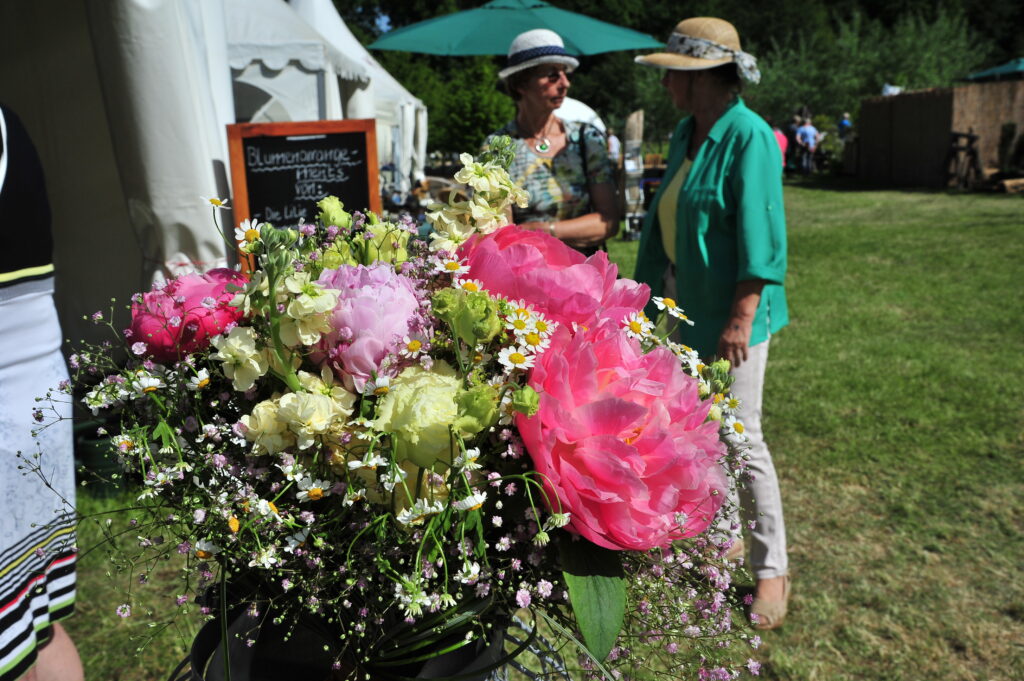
(552, 277)
(621, 440)
(182, 317)
(376, 308)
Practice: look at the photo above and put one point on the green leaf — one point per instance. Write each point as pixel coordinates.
(597, 592)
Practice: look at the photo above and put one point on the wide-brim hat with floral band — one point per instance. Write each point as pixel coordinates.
(539, 46)
(704, 43)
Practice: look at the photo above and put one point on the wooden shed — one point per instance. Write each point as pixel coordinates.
(905, 139)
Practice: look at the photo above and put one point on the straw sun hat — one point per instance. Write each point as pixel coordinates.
(539, 46)
(703, 43)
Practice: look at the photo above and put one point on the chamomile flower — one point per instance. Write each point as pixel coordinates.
(731, 426)
(312, 490)
(543, 326)
(370, 462)
(468, 285)
(670, 306)
(471, 503)
(267, 508)
(248, 232)
(637, 325)
(378, 386)
(535, 341)
(206, 549)
(420, 511)
(200, 380)
(297, 540)
(467, 461)
(292, 471)
(215, 202)
(265, 558)
(147, 383)
(452, 266)
(412, 347)
(516, 357)
(520, 321)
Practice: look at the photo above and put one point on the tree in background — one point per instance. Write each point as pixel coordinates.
(827, 55)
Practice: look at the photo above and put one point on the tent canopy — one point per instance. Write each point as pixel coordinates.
(269, 31)
(1011, 70)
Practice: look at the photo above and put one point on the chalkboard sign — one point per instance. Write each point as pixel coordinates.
(280, 170)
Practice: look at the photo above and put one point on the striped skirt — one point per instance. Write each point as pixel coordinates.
(37, 523)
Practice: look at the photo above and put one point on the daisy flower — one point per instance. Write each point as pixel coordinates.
(670, 306)
(451, 266)
(378, 385)
(520, 321)
(412, 347)
(543, 326)
(471, 503)
(468, 461)
(248, 232)
(312, 490)
(206, 549)
(515, 357)
(147, 383)
(370, 461)
(637, 325)
(535, 341)
(200, 380)
(419, 511)
(468, 285)
(215, 202)
(297, 540)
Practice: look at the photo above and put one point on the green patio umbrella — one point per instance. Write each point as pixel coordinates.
(1011, 70)
(491, 28)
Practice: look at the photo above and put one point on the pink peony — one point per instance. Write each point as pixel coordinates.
(620, 439)
(182, 316)
(552, 277)
(376, 308)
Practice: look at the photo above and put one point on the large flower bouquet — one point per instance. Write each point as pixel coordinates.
(418, 443)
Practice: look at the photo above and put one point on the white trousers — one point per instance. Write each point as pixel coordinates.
(760, 499)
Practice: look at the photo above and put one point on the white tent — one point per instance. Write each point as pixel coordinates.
(575, 110)
(401, 117)
(283, 69)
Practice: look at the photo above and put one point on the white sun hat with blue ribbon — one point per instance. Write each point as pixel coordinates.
(539, 46)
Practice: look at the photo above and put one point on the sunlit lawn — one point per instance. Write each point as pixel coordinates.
(895, 410)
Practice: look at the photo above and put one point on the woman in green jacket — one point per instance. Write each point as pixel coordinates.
(715, 240)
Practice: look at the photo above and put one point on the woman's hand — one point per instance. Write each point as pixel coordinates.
(735, 339)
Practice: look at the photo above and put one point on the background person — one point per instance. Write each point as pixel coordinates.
(563, 165)
(807, 140)
(715, 240)
(37, 528)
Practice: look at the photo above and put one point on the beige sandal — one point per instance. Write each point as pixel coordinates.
(771, 614)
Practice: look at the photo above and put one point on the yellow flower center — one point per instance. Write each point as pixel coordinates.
(532, 339)
(635, 326)
(315, 493)
(202, 382)
(633, 438)
(542, 326)
(203, 555)
(272, 506)
(738, 427)
(380, 390)
(149, 389)
(718, 397)
(470, 286)
(413, 346)
(216, 202)
(452, 266)
(125, 445)
(233, 524)
(519, 324)
(475, 508)
(252, 235)
(669, 302)
(517, 358)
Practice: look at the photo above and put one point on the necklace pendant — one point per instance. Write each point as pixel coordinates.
(542, 146)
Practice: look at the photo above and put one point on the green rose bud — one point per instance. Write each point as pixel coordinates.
(332, 212)
(472, 316)
(525, 400)
(478, 409)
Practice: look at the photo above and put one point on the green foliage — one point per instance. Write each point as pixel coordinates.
(597, 592)
(831, 71)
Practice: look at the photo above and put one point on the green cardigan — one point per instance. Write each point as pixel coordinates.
(730, 227)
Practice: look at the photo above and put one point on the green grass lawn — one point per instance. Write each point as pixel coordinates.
(895, 412)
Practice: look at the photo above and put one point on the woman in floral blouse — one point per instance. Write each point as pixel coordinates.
(563, 165)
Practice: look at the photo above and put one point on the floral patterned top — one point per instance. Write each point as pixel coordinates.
(558, 185)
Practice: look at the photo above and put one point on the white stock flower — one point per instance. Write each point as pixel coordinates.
(243, 362)
(308, 415)
(266, 430)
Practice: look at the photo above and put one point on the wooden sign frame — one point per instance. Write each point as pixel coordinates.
(239, 132)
